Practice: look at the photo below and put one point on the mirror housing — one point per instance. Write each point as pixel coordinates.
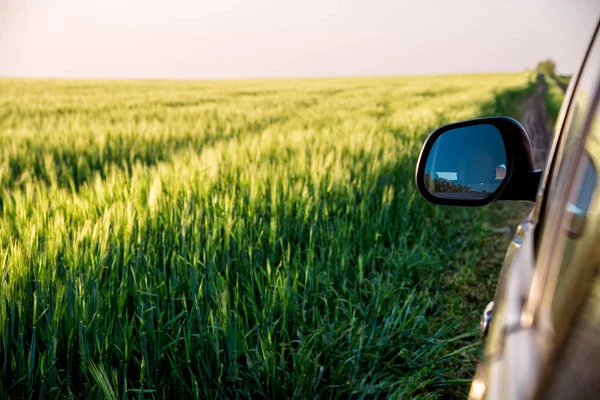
(520, 181)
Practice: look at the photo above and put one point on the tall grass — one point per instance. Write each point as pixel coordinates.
(554, 99)
(564, 79)
(237, 239)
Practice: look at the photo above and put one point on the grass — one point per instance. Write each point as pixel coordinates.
(554, 99)
(564, 79)
(239, 239)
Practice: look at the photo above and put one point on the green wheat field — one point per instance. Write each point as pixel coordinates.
(236, 239)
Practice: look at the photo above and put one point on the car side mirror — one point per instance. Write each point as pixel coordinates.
(476, 162)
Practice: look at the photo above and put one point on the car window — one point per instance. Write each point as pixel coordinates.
(571, 296)
(574, 127)
(580, 227)
(566, 162)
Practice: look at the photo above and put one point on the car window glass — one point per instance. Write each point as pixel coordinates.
(559, 200)
(573, 131)
(580, 227)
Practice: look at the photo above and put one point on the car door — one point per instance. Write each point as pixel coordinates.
(568, 302)
(524, 334)
(564, 300)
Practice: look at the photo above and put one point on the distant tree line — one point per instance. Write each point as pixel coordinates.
(440, 185)
(546, 67)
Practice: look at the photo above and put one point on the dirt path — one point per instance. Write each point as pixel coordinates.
(534, 120)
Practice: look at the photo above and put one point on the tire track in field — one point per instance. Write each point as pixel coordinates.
(534, 120)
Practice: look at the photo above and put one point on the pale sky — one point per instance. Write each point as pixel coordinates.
(208, 39)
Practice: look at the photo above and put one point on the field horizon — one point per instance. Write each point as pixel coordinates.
(256, 79)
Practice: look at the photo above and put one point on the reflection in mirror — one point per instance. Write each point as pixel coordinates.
(466, 163)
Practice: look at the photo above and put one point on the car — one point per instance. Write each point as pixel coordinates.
(543, 324)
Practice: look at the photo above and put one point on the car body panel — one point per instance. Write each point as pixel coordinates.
(493, 377)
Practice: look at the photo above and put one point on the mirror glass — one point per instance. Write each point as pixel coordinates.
(466, 163)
